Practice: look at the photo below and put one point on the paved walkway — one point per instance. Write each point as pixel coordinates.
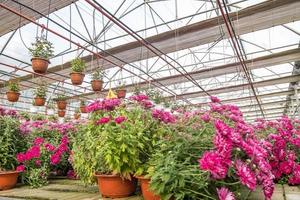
(62, 189)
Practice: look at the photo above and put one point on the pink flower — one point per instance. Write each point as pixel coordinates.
(163, 116)
(21, 168)
(215, 164)
(120, 119)
(55, 159)
(38, 141)
(225, 194)
(103, 120)
(21, 157)
(205, 117)
(49, 147)
(215, 99)
(295, 178)
(38, 163)
(286, 167)
(247, 177)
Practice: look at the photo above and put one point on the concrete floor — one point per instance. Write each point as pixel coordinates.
(63, 189)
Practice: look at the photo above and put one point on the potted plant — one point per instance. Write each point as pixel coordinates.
(77, 75)
(61, 102)
(82, 106)
(77, 114)
(97, 80)
(11, 142)
(13, 91)
(121, 91)
(41, 51)
(61, 113)
(40, 95)
(107, 148)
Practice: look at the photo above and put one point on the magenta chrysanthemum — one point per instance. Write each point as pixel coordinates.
(225, 194)
(246, 175)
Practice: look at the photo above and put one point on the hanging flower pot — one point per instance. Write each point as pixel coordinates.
(39, 65)
(121, 93)
(12, 96)
(147, 193)
(41, 51)
(83, 109)
(113, 186)
(39, 101)
(13, 91)
(97, 85)
(8, 179)
(40, 95)
(76, 115)
(61, 113)
(77, 75)
(61, 104)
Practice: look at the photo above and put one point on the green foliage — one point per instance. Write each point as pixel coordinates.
(121, 85)
(41, 91)
(77, 65)
(11, 142)
(61, 97)
(155, 96)
(13, 86)
(98, 74)
(42, 48)
(175, 171)
(82, 103)
(36, 177)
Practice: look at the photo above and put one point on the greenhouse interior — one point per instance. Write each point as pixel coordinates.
(150, 99)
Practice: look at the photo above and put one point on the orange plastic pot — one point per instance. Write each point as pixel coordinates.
(38, 101)
(8, 179)
(77, 78)
(61, 113)
(12, 96)
(83, 109)
(39, 65)
(97, 85)
(76, 116)
(61, 104)
(113, 186)
(147, 193)
(121, 93)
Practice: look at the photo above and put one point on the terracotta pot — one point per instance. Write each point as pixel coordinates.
(8, 179)
(147, 193)
(77, 78)
(39, 65)
(38, 101)
(61, 113)
(97, 85)
(121, 93)
(76, 116)
(12, 96)
(83, 109)
(113, 186)
(61, 104)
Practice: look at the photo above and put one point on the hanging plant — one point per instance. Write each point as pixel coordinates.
(77, 75)
(77, 114)
(61, 113)
(40, 96)
(97, 80)
(121, 91)
(82, 107)
(13, 91)
(61, 102)
(41, 50)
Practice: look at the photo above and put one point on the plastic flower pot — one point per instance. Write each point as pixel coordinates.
(39, 65)
(61, 104)
(83, 109)
(113, 186)
(12, 96)
(121, 93)
(147, 193)
(61, 113)
(97, 85)
(77, 78)
(38, 101)
(8, 179)
(76, 115)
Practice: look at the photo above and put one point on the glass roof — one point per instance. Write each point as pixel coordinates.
(149, 18)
